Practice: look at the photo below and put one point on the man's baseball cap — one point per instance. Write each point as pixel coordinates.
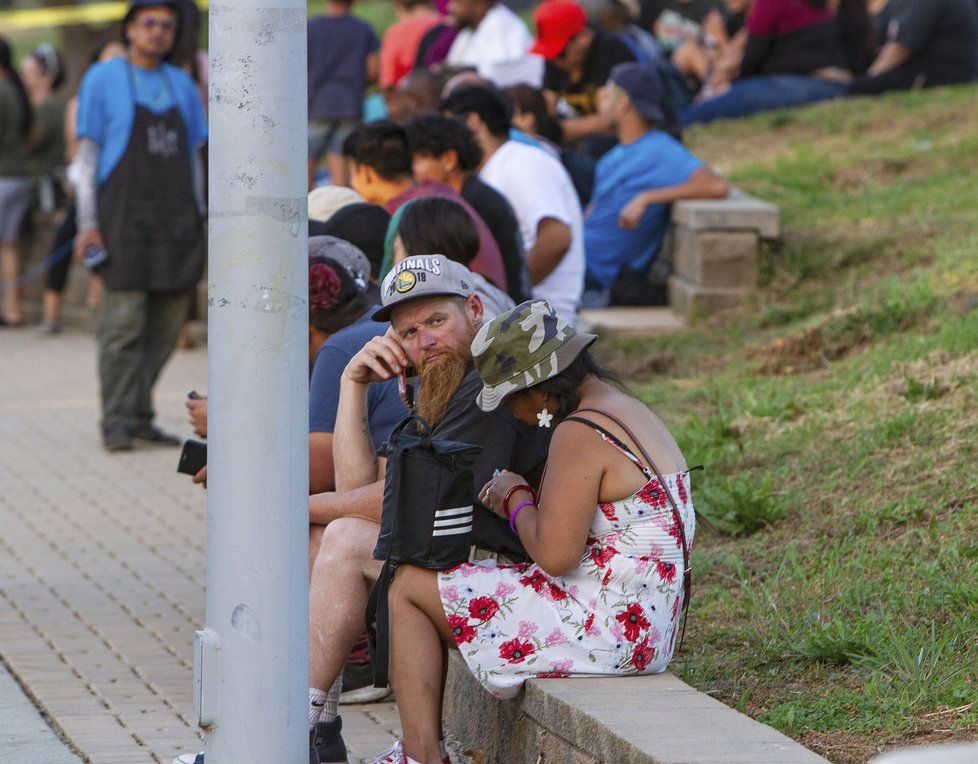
(422, 276)
(643, 88)
(557, 22)
(346, 254)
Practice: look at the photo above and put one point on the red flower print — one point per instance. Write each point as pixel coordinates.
(681, 488)
(483, 608)
(608, 510)
(666, 570)
(607, 577)
(644, 652)
(675, 608)
(602, 555)
(552, 675)
(589, 622)
(537, 580)
(515, 651)
(676, 534)
(634, 620)
(461, 631)
(653, 494)
(557, 594)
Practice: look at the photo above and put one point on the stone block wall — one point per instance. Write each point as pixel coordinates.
(716, 248)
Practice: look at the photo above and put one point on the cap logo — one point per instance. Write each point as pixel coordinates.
(404, 282)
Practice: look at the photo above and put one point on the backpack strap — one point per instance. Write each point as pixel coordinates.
(378, 611)
(677, 517)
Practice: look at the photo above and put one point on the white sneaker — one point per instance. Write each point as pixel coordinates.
(189, 758)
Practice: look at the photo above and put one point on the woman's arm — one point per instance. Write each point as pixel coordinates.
(555, 532)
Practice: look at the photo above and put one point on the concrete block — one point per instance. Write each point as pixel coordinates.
(615, 719)
(714, 258)
(739, 211)
(692, 301)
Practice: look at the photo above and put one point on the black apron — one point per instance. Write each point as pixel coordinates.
(148, 213)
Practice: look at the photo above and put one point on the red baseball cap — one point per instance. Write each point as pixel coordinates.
(557, 22)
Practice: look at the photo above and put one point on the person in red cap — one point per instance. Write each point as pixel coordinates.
(579, 59)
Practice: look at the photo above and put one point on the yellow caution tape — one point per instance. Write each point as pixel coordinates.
(94, 13)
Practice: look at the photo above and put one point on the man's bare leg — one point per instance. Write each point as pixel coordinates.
(342, 577)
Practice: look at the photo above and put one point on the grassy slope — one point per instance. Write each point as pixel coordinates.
(840, 407)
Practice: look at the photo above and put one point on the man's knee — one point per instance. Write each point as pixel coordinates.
(347, 541)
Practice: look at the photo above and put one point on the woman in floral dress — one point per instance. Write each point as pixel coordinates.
(605, 591)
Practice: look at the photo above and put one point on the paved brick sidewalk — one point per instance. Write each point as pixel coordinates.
(102, 561)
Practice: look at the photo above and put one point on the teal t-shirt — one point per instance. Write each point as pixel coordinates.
(106, 106)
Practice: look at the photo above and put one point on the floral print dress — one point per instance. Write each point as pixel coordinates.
(617, 613)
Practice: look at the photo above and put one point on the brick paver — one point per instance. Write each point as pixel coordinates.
(102, 561)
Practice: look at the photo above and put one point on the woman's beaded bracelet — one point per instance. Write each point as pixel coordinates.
(514, 489)
(512, 517)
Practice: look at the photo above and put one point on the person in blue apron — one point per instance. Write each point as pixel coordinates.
(140, 213)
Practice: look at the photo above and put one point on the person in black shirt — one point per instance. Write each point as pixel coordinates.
(444, 150)
(579, 59)
(925, 43)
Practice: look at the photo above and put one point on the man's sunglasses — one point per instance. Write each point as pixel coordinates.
(165, 25)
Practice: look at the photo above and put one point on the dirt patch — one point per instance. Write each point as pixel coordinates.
(849, 748)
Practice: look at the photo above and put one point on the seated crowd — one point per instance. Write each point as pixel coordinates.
(515, 179)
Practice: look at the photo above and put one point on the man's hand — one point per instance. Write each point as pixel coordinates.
(201, 477)
(85, 239)
(631, 214)
(380, 359)
(197, 407)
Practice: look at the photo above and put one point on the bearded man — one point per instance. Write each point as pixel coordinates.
(434, 315)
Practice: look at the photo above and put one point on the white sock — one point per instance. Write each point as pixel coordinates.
(324, 704)
(409, 760)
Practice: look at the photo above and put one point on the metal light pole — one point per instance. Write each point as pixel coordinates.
(251, 660)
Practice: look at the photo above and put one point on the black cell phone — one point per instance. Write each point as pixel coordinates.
(194, 395)
(193, 458)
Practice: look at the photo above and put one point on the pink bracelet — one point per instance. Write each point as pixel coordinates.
(512, 515)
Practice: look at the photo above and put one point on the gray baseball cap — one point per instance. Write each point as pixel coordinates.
(422, 276)
(346, 254)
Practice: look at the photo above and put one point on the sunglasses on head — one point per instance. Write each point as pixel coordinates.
(165, 25)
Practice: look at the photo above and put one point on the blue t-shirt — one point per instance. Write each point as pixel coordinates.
(106, 109)
(656, 160)
(384, 406)
(338, 47)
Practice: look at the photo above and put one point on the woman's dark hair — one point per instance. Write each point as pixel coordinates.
(435, 225)
(334, 300)
(434, 134)
(51, 63)
(565, 387)
(530, 99)
(7, 69)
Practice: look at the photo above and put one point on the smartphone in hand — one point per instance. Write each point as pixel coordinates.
(406, 390)
(193, 458)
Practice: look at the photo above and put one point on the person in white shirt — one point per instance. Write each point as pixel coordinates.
(540, 192)
(495, 41)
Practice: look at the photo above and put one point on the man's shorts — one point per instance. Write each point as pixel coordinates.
(15, 196)
(326, 136)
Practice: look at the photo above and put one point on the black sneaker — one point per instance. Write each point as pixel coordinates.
(152, 434)
(327, 742)
(117, 437)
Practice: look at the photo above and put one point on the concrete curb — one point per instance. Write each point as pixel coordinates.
(641, 720)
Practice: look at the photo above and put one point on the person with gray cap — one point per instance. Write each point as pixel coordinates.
(434, 317)
(609, 535)
(140, 213)
(636, 181)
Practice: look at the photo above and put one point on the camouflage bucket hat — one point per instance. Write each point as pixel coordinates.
(523, 347)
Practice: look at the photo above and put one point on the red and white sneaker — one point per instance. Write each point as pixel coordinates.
(395, 754)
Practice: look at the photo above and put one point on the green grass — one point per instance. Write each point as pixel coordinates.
(835, 589)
